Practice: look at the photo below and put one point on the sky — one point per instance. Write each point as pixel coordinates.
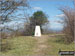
(51, 8)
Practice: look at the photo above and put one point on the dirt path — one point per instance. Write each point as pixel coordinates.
(41, 45)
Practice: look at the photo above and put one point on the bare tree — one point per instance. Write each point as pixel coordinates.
(7, 10)
(69, 20)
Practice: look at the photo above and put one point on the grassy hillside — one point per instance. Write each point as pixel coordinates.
(27, 45)
(55, 44)
(21, 46)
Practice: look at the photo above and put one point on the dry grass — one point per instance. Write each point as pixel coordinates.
(45, 45)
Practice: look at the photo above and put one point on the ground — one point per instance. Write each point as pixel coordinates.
(37, 46)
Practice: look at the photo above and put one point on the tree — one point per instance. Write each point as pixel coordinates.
(7, 10)
(38, 18)
(69, 20)
(7, 7)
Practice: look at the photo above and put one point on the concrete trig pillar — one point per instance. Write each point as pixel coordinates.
(37, 31)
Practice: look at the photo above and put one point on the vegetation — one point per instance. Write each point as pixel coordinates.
(20, 46)
(38, 18)
(7, 12)
(57, 43)
(27, 45)
(69, 20)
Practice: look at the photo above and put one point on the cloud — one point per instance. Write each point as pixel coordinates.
(37, 8)
(58, 21)
(56, 26)
(60, 15)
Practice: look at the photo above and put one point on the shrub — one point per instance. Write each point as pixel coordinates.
(5, 45)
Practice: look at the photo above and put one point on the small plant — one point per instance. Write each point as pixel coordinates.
(5, 45)
(68, 39)
(32, 33)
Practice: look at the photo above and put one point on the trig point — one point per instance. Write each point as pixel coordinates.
(37, 31)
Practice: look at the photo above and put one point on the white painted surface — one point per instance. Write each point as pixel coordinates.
(37, 31)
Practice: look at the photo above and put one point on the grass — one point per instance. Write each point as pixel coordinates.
(57, 43)
(25, 45)
(21, 46)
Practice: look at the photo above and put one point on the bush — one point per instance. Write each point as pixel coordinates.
(69, 20)
(3, 35)
(68, 39)
(5, 45)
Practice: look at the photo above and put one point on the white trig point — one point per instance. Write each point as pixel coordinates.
(37, 31)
